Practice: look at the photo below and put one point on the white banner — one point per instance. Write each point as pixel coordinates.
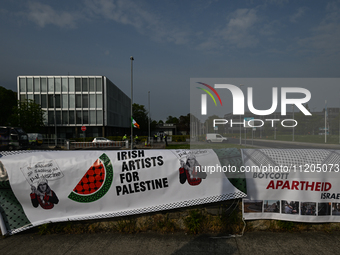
(77, 185)
(295, 185)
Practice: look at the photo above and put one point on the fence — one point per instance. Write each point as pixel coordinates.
(78, 145)
(53, 141)
(71, 144)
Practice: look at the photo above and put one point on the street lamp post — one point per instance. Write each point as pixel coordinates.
(326, 121)
(240, 122)
(293, 126)
(149, 138)
(275, 128)
(131, 58)
(55, 124)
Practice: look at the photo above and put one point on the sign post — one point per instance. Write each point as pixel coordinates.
(246, 125)
(83, 128)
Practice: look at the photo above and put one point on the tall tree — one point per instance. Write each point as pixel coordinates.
(140, 115)
(209, 126)
(172, 120)
(28, 115)
(184, 124)
(8, 99)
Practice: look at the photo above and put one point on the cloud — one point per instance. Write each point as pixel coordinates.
(126, 12)
(298, 14)
(135, 14)
(44, 15)
(159, 28)
(238, 31)
(325, 37)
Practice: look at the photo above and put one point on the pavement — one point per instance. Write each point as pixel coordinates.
(152, 243)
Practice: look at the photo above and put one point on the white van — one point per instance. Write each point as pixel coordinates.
(215, 138)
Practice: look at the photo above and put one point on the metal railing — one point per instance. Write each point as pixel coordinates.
(70, 145)
(52, 141)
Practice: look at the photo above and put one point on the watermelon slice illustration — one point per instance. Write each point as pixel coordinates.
(95, 182)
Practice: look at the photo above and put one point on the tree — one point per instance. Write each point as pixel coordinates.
(172, 120)
(153, 125)
(8, 99)
(28, 115)
(184, 124)
(307, 124)
(210, 126)
(140, 115)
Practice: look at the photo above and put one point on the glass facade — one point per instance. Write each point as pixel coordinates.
(74, 101)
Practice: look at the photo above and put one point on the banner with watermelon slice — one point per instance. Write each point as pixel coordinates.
(95, 183)
(117, 183)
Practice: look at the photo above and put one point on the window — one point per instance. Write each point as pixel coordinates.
(99, 84)
(99, 117)
(64, 84)
(72, 101)
(99, 101)
(22, 84)
(23, 97)
(50, 85)
(85, 117)
(78, 85)
(43, 84)
(37, 99)
(92, 87)
(92, 117)
(57, 84)
(84, 84)
(78, 101)
(65, 117)
(85, 101)
(71, 117)
(29, 84)
(64, 101)
(58, 117)
(57, 101)
(92, 101)
(50, 101)
(36, 84)
(78, 117)
(43, 101)
(51, 117)
(71, 84)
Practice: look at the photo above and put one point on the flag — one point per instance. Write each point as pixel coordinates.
(134, 123)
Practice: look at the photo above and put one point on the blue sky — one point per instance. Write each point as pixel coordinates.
(171, 42)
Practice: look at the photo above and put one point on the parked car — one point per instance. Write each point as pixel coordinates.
(101, 140)
(35, 139)
(215, 138)
(13, 138)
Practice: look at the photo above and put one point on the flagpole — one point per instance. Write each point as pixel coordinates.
(149, 139)
(131, 58)
(325, 121)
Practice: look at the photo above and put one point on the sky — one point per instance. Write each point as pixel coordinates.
(171, 42)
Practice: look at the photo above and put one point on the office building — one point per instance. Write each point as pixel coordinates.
(71, 102)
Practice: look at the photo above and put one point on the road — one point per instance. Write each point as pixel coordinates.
(282, 144)
(176, 244)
